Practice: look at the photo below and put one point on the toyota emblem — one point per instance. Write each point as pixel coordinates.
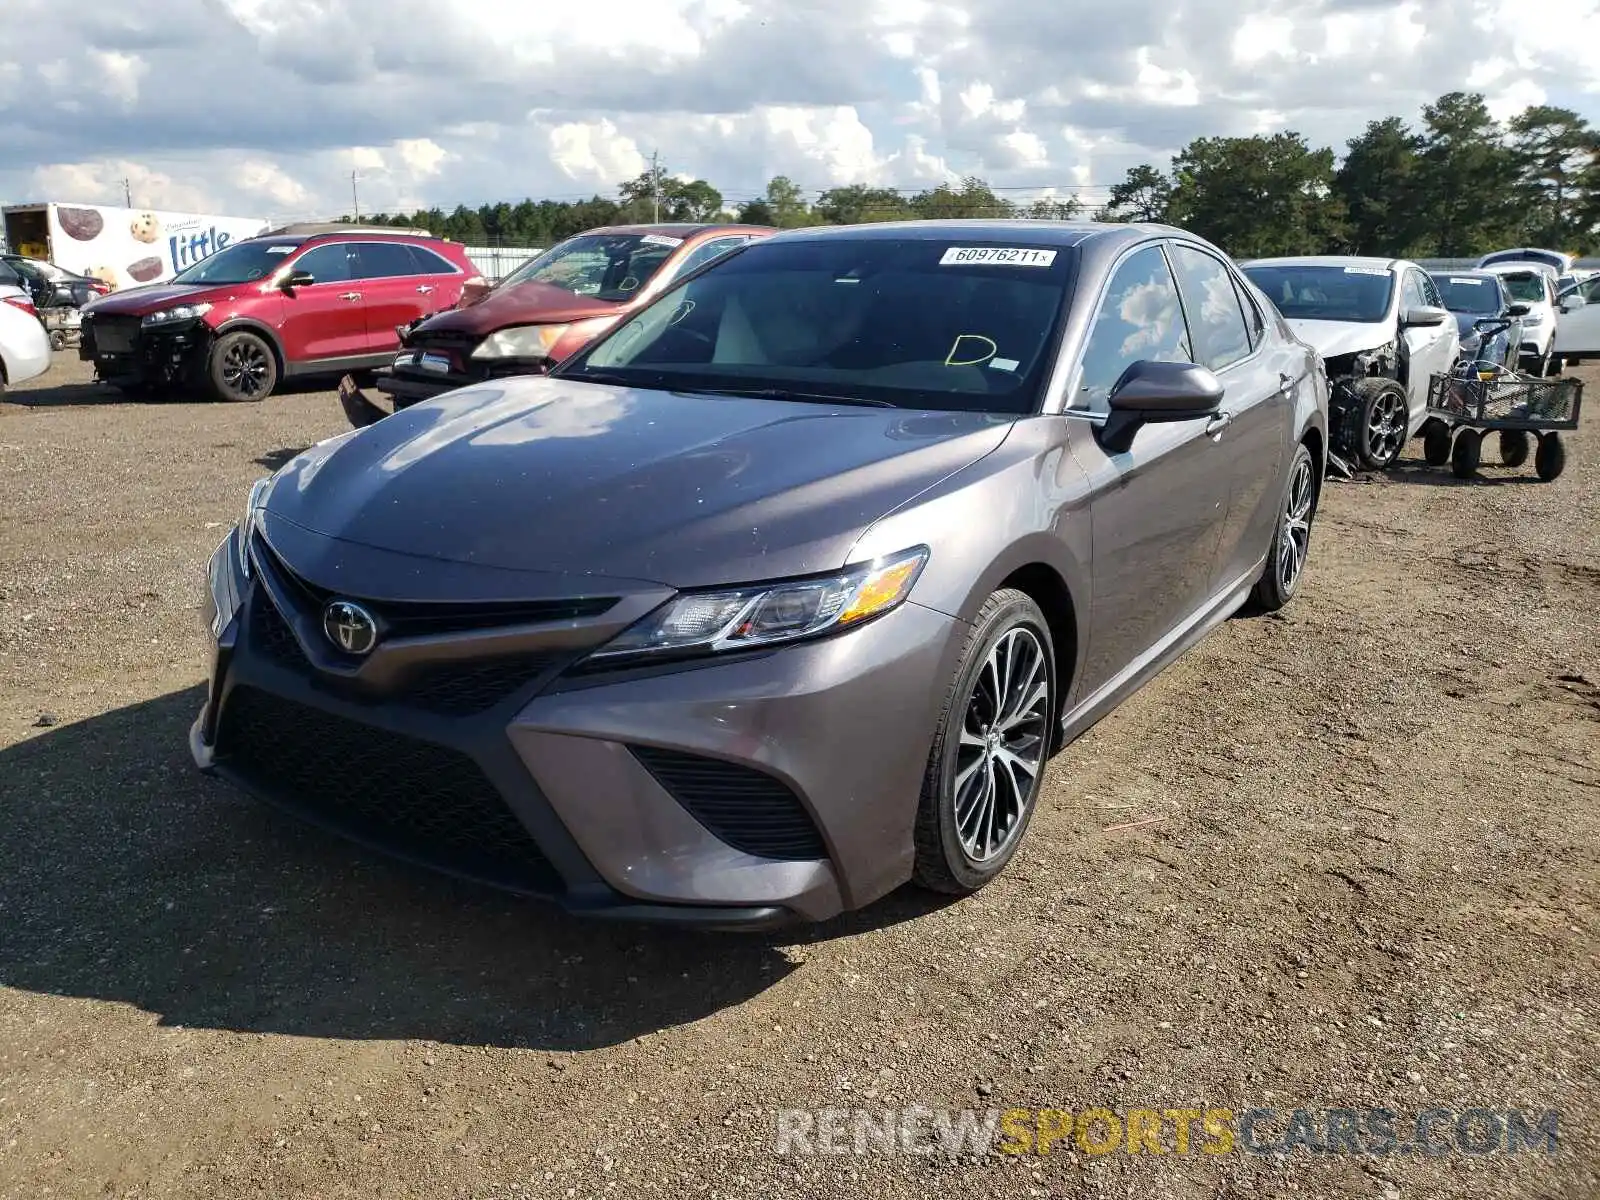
(350, 627)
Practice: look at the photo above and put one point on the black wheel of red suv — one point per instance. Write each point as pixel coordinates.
(990, 748)
(242, 367)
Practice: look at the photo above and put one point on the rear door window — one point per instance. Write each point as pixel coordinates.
(385, 260)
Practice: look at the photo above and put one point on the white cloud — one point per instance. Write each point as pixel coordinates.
(266, 106)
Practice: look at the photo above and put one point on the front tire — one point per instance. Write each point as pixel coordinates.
(242, 367)
(1384, 418)
(989, 751)
(1436, 444)
(1466, 454)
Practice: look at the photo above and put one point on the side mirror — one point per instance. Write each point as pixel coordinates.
(1573, 301)
(1150, 392)
(1423, 315)
(1519, 309)
(297, 279)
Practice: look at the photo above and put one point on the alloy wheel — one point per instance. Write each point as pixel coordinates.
(244, 369)
(1386, 427)
(1003, 737)
(1296, 542)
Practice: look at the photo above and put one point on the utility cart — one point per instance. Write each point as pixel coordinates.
(1480, 398)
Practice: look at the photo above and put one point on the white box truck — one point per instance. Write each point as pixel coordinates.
(124, 247)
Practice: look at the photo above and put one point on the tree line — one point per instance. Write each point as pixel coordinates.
(1456, 184)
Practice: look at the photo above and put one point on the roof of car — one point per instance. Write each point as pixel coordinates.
(1047, 233)
(1327, 260)
(680, 229)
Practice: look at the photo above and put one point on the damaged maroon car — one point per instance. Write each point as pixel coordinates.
(545, 311)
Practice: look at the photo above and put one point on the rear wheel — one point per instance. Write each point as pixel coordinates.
(1515, 446)
(1286, 558)
(1551, 457)
(989, 750)
(1383, 421)
(1467, 454)
(242, 367)
(1436, 444)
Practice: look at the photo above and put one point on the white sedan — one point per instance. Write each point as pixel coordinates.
(24, 345)
(1578, 330)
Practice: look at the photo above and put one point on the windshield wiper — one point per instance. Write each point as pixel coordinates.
(771, 393)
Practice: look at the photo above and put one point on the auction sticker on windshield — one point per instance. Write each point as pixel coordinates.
(1366, 270)
(1012, 257)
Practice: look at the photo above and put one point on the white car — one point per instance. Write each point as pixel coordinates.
(1578, 330)
(1533, 284)
(24, 345)
(1383, 332)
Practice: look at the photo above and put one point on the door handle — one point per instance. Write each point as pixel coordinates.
(350, 295)
(425, 288)
(1218, 423)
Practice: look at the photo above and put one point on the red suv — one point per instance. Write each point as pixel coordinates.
(304, 300)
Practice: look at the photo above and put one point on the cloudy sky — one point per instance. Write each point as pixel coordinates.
(265, 107)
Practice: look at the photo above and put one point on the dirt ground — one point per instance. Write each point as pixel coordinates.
(1375, 882)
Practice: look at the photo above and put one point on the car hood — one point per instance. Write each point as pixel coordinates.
(555, 476)
(1334, 338)
(522, 304)
(141, 300)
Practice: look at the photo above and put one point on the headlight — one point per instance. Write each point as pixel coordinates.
(184, 312)
(247, 524)
(522, 341)
(1532, 319)
(767, 614)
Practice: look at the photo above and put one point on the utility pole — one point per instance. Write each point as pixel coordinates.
(655, 185)
(355, 199)
(127, 191)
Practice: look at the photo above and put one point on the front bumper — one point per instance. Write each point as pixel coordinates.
(124, 352)
(421, 372)
(740, 793)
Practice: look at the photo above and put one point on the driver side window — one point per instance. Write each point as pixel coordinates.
(1411, 295)
(1430, 292)
(1139, 319)
(328, 263)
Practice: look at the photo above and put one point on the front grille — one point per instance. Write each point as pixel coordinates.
(270, 633)
(415, 798)
(746, 808)
(461, 688)
(449, 688)
(115, 335)
(409, 618)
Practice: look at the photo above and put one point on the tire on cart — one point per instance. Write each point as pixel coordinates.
(1515, 446)
(1436, 444)
(1466, 454)
(1551, 457)
(58, 340)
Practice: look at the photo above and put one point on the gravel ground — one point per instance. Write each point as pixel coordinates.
(1373, 883)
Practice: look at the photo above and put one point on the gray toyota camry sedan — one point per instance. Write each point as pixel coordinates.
(782, 593)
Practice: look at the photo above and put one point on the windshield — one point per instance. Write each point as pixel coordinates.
(913, 323)
(244, 262)
(1326, 293)
(1468, 294)
(607, 266)
(1525, 286)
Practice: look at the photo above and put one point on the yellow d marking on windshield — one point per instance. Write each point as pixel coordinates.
(950, 360)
